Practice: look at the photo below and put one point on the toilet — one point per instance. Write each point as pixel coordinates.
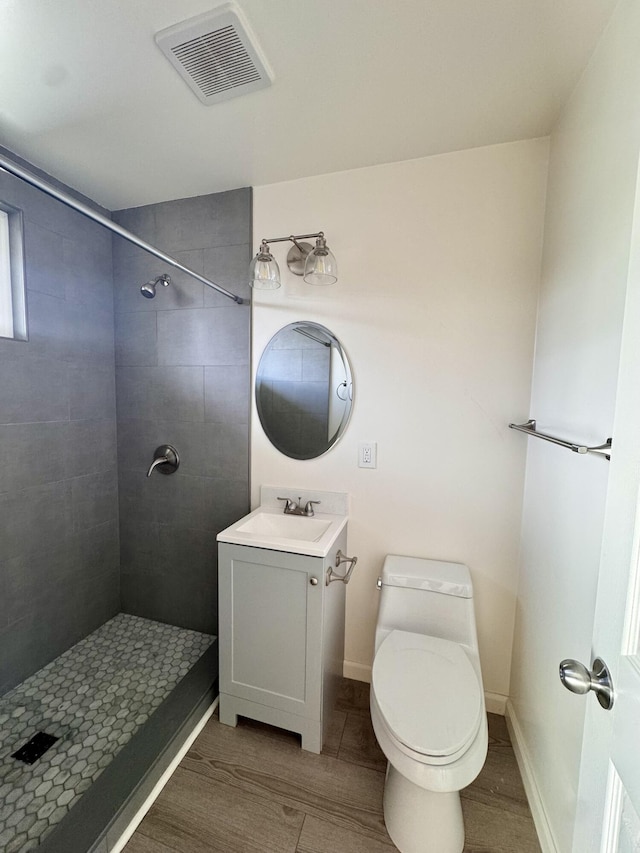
(427, 700)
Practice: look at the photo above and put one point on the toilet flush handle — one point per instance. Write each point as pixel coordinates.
(379, 583)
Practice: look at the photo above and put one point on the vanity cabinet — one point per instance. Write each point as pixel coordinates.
(281, 638)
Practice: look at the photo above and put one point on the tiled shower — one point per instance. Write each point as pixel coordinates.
(105, 378)
(182, 378)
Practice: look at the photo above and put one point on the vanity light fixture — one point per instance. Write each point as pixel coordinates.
(316, 264)
(264, 272)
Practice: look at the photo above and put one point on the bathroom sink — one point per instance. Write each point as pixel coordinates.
(285, 526)
(269, 527)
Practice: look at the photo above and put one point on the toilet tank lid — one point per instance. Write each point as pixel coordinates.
(433, 575)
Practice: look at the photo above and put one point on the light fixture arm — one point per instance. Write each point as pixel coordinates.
(293, 238)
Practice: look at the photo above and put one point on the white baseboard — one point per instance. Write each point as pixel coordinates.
(495, 703)
(357, 671)
(162, 781)
(545, 836)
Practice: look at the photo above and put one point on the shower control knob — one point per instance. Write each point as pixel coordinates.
(313, 581)
(165, 459)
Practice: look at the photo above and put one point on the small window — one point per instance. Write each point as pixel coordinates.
(13, 317)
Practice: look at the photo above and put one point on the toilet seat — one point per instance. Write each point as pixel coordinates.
(428, 693)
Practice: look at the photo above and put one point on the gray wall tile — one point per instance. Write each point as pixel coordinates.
(138, 589)
(168, 524)
(99, 549)
(137, 439)
(227, 266)
(33, 389)
(88, 278)
(300, 397)
(65, 371)
(179, 393)
(90, 334)
(136, 341)
(49, 214)
(11, 350)
(34, 518)
(225, 393)
(286, 434)
(137, 496)
(171, 393)
(30, 579)
(204, 336)
(94, 499)
(139, 220)
(138, 546)
(174, 541)
(43, 250)
(91, 392)
(202, 222)
(172, 598)
(90, 447)
(48, 326)
(134, 392)
(99, 597)
(225, 501)
(180, 503)
(25, 648)
(315, 364)
(33, 454)
(282, 364)
(227, 451)
(61, 540)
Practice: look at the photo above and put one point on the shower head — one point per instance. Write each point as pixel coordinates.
(149, 289)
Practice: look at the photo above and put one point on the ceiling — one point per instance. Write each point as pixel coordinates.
(86, 94)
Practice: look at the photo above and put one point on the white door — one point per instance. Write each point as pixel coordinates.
(608, 812)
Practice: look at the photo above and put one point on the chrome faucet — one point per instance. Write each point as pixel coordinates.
(293, 508)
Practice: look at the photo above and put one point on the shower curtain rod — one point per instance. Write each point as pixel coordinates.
(85, 210)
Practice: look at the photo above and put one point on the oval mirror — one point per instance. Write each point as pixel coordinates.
(304, 390)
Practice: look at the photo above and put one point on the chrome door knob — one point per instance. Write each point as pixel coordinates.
(313, 581)
(576, 677)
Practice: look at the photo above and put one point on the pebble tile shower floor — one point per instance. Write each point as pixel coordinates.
(94, 697)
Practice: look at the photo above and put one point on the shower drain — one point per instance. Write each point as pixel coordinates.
(35, 748)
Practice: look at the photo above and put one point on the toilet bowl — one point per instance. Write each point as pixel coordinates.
(427, 701)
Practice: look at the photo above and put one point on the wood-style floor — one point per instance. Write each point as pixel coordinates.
(253, 790)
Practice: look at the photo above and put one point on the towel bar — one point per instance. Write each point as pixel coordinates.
(530, 429)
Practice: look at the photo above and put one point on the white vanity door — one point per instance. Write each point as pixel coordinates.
(270, 628)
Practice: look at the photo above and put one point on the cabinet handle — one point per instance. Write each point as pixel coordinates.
(313, 581)
(341, 558)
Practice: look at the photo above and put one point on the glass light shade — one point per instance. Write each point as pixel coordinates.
(264, 273)
(320, 267)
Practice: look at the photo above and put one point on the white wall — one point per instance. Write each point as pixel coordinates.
(592, 179)
(439, 268)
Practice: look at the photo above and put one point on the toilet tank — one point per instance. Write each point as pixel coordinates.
(431, 597)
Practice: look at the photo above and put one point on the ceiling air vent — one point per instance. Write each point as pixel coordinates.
(216, 54)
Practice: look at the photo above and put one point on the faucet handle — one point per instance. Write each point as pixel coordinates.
(308, 510)
(290, 505)
(165, 459)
